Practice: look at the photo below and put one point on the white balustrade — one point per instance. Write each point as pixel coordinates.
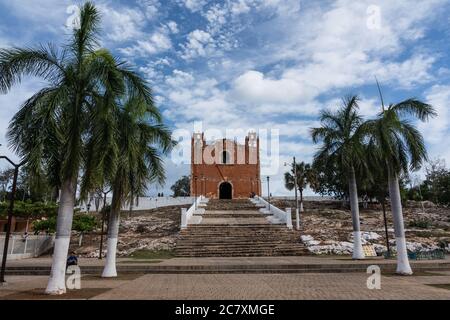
(289, 218)
(183, 218)
(144, 203)
(21, 247)
(280, 215)
(186, 215)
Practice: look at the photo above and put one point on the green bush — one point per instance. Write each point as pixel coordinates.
(45, 225)
(420, 223)
(84, 223)
(27, 209)
(81, 223)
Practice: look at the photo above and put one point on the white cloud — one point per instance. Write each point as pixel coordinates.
(437, 129)
(122, 24)
(302, 84)
(180, 79)
(173, 26)
(272, 63)
(193, 5)
(240, 7)
(46, 11)
(151, 8)
(10, 104)
(254, 87)
(158, 42)
(217, 15)
(200, 44)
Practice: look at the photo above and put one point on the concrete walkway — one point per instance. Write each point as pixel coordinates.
(238, 286)
(218, 261)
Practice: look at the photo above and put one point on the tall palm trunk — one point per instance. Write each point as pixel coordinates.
(57, 284)
(358, 253)
(110, 270)
(301, 200)
(403, 266)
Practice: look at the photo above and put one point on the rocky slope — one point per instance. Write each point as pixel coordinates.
(152, 230)
(326, 228)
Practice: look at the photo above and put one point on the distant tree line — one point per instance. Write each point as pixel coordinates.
(435, 187)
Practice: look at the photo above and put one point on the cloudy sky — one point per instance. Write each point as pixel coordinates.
(259, 64)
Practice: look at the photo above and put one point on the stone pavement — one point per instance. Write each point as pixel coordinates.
(219, 261)
(248, 286)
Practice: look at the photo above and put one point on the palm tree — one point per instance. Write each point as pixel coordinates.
(305, 176)
(341, 135)
(5, 178)
(398, 146)
(58, 126)
(142, 140)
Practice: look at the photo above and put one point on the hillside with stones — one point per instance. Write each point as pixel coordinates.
(151, 230)
(326, 228)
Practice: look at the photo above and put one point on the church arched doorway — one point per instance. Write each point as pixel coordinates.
(225, 191)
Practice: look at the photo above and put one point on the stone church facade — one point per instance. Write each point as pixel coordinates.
(225, 169)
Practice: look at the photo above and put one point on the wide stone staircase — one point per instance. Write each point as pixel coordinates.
(235, 228)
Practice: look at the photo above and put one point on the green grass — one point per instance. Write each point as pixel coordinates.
(140, 261)
(420, 273)
(120, 276)
(440, 286)
(152, 255)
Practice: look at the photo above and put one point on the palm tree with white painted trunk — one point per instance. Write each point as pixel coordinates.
(142, 141)
(396, 144)
(53, 127)
(305, 176)
(341, 135)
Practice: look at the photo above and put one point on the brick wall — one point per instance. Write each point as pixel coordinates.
(225, 161)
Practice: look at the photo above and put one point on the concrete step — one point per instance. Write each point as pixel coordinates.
(237, 231)
(232, 215)
(238, 235)
(240, 230)
(237, 204)
(237, 268)
(266, 238)
(237, 247)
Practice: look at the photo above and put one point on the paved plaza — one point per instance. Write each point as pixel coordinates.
(239, 286)
(425, 284)
(221, 261)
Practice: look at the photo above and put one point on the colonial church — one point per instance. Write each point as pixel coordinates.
(225, 169)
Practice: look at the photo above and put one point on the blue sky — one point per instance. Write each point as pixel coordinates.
(272, 64)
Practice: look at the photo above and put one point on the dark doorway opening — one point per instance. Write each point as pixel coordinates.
(225, 191)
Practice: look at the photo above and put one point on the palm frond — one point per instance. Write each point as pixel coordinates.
(44, 62)
(420, 110)
(85, 38)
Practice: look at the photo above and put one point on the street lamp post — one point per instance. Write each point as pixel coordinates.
(195, 192)
(202, 182)
(297, 207)
(10, 214)
(268, 190)
(103, 223)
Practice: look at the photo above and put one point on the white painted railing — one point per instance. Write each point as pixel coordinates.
(283, 216)
(31, 246)
(186, 214)
(144, 203)
(305, 198)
